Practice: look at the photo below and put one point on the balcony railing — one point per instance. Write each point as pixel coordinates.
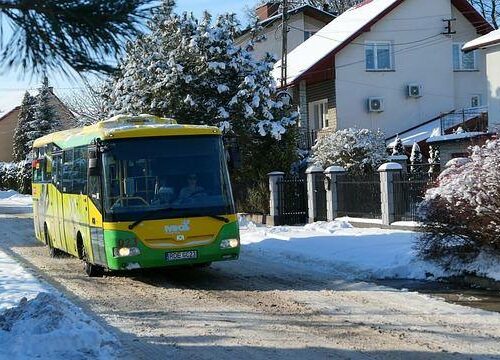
(471, 120)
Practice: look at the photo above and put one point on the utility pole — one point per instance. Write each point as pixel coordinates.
(284, 43)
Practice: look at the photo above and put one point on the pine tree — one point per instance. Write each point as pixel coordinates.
(398, 148)
(415, 159)
(45, 116)
(21, 133)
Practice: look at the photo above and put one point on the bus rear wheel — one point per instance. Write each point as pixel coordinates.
(53, 252)
(90, 269)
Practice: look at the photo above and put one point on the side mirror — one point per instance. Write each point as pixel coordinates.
(93, 163)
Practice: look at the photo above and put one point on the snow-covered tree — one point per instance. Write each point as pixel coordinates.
(434, 159)
(357, 150)
(462, 213)
(87, 103)
(24, 128)
(45, 115)
(415, 159)
(192, 70)
(398, 148)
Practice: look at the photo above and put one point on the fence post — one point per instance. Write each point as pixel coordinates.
(387, 172)
(312, 172)
(274, 202)
(332, 199)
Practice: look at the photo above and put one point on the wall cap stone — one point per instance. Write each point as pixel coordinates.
(390, 166)
(335, 169)
(314, 169)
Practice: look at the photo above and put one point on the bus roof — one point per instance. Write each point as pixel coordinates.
(122, 127)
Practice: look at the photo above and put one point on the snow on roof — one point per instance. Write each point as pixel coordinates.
(456, 136)
(491, 38)
(433, 129)
(331, 37)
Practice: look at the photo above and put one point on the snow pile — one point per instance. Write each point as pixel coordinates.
(13, 198)
(244, 223)
(354, 253)
(50, 327)
(15, 282)
(37, 322)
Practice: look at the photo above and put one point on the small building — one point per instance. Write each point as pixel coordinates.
(303, 22)
(490, 45)
(8, 124)
(458, 145)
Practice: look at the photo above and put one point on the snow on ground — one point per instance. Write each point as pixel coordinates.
(38, 322)
(11, 198)
(355, 252)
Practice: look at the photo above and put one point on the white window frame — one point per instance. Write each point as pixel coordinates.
(375, 59)
(324, 121)
(460, 58)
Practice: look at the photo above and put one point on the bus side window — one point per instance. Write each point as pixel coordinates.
(56, 170)
(80, 171)
(37, 166)
(47, 164)
(67, 171)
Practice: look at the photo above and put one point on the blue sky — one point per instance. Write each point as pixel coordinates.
(13, 85)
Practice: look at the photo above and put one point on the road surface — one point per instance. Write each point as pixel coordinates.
(257, 308)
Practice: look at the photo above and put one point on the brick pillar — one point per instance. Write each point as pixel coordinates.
(332, 201)
(312, 172)
(387, 172)
(274, 210)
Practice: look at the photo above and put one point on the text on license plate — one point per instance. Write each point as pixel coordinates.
(181, 255)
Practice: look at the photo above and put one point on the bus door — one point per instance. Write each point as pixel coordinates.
(95, 208)
(56, 203)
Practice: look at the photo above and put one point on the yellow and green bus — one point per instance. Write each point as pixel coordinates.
(135, 192)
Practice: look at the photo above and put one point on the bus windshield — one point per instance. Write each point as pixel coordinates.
(185, 174)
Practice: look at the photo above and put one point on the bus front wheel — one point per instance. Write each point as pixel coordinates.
(91, 270)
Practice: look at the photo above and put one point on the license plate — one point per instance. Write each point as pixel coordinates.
(181, 255)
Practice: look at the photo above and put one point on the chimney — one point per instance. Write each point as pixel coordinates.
(267, 10)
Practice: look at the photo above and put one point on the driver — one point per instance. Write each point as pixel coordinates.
(192, 188)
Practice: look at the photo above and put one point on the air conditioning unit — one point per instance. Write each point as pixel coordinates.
(415, 90)
(375, 104)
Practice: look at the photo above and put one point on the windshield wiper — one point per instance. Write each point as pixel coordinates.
(221, 218)
(147, 215)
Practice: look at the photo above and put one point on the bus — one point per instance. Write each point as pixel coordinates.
(135, 192)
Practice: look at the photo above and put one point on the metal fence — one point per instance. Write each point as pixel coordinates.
(359, 196)
(409, 191)
(320, 197)
(307, 138)
(292, 201)
(472, 119)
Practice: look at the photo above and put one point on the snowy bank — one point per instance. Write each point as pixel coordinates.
(38, 322)
(11, 198)
(337, 247)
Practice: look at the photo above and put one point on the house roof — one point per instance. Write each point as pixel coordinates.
(492, 38)
(350, 25)
(9, 112)
(308, 10)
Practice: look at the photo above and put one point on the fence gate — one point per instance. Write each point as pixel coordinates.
(409, 191)
(320, 197)
(359, 196)
(292, 200)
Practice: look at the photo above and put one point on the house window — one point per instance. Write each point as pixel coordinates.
(463, 61)
(318, 114)
(378, 56)
(308, 34)
(475, 101)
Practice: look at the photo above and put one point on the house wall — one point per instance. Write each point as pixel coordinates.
(426, 62)
(298, 24)
(493, 81)
(9, 122)
(321, 91)
(7, 126)
(468, 83)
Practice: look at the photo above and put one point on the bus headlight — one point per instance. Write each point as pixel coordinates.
(126, 251)
(229, 243)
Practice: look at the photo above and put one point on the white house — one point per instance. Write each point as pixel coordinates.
(389, 64)
(303, 22)
(490, 45)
